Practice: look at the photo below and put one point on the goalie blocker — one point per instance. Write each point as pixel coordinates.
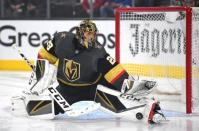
(124, 104)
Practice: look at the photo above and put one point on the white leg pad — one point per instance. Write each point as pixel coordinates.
(40, 107)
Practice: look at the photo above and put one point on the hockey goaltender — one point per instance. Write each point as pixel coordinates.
(75, 67)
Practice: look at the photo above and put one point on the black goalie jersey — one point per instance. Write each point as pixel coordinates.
(80, 68)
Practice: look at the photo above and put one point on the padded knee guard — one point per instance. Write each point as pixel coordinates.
(45, 74)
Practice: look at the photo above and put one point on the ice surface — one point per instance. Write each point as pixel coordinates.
(13, 82)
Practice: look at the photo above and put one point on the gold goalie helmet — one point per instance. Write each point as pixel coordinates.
(86, 32)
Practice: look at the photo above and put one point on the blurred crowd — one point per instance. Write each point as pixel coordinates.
(56, 9)
(24, 8)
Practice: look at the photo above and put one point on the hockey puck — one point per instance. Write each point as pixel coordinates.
(139, 116)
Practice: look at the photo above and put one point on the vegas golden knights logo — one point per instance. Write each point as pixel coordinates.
(71, 70)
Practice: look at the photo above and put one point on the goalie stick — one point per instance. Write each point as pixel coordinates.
(24, 57)
(27, 62)
(56, 95)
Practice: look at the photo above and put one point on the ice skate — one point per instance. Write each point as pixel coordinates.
(155, 114)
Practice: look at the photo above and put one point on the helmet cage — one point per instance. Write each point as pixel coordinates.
(86, 26)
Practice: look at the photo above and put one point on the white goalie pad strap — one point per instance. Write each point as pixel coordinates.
(108, 90)
(47, 79)
(118, 94)
(18, 106)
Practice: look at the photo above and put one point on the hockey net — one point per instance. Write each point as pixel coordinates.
(162, 44)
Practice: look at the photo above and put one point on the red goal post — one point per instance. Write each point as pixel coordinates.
(140, 38)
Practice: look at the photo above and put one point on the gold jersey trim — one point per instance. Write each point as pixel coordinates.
(106, 101)
(34, 110)
(41, 67)
(46, 55)
(79, 84)
(113, 73)
(71, 70)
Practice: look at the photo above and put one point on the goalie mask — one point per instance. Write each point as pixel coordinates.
(86, 33)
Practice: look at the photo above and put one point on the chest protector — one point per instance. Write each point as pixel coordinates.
(77, 65)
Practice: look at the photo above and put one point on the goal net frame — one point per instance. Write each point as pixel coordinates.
(188, 28)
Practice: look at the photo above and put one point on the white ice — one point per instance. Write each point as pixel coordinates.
(13, 82)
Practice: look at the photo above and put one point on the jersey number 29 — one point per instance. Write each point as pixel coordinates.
(49, 45)
(111, 60)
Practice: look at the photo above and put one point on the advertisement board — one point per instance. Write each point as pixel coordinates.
(28, 36)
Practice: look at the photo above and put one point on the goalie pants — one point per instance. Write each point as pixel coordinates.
(76, 94)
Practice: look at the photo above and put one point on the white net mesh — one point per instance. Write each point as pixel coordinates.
(195, 61)
(153, 45)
